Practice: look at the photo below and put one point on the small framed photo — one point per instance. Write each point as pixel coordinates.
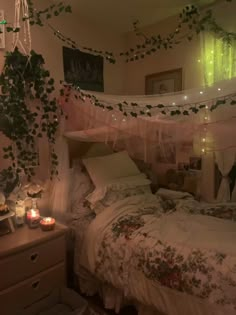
(195, 163)
(182, 166)
(164, 82)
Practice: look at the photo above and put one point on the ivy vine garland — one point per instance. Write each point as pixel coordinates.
(191, 23)
(28, 111)
(134, 109)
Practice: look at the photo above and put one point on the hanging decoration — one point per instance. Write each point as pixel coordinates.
(134, 109)
(21, 11)
(33, 16)
(39, 17)
(28, 112)
(191, 23)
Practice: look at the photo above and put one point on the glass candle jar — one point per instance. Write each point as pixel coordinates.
(47, 224)
(33, 218)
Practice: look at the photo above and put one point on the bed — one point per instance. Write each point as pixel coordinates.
(165, 252)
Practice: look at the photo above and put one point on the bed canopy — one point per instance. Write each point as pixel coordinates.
(142, 118)
(202, 119)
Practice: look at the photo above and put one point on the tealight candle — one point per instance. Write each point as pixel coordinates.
(33, 218)
(47, 224)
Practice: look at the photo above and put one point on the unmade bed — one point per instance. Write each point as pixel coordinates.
(165, 252)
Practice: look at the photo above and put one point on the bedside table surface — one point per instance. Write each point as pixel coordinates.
(24, 237)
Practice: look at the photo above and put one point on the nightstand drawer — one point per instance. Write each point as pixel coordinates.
(25, 264)
(34, 289)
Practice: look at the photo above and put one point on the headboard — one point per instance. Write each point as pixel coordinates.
(80, 149)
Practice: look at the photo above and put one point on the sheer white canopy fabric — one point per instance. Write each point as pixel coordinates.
(144, 135)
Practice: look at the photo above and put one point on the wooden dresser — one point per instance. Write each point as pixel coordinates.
(32, 264)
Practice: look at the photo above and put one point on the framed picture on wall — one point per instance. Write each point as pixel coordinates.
(164, 82)
(195, 163)
(83, 69)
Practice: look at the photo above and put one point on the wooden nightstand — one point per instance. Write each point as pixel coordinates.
(32, 264)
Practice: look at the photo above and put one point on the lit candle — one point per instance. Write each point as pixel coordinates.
(33, 218)
(20, 213)
(47, 224)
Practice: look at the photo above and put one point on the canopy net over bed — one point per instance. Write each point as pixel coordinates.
(158, 129)
(144, 125)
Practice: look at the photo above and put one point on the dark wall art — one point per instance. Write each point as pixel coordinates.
(83, 69)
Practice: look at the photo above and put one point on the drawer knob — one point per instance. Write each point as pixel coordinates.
(35, 284)
(34, 257)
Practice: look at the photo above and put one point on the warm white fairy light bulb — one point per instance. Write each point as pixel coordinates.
(185, 97)
(173, 103)
(201, 92)
(219, 89)
(203, 150)
(203, 139)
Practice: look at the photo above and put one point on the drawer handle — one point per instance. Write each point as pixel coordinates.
(34, 257)
(35, 284)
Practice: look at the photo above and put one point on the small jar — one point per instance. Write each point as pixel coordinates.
(33, 218)
(20, 213)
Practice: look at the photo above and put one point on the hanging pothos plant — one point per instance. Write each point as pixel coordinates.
(28, 111)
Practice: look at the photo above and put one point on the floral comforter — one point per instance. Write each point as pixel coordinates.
(193, 254)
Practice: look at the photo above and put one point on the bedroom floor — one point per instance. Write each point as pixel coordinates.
(97, 305)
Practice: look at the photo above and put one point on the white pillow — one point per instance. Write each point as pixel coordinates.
(172, 194)
(117, 190)
(104, 169)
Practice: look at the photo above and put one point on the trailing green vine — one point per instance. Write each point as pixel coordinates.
(191, 22)
(28, 111)
(133, 109)
(39, 17)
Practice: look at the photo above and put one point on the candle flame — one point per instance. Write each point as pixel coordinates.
(33, 213)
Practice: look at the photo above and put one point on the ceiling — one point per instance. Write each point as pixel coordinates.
(120, 14)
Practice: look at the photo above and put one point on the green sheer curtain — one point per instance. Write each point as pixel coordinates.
(218, 59)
